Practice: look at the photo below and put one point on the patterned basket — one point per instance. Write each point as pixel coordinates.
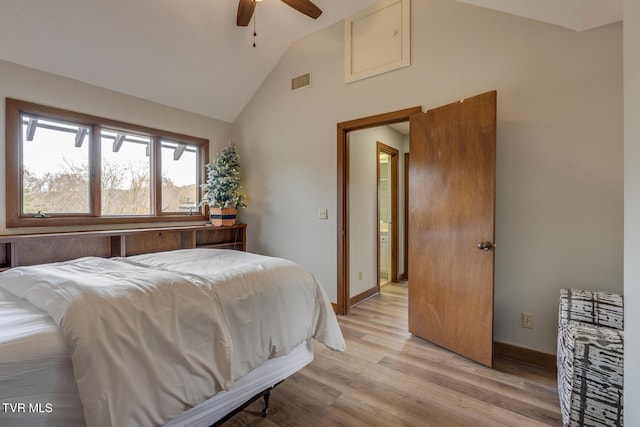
(590, 358)
(225, 216)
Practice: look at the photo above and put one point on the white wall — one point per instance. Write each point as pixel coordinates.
(559, 160)
(632, 211)
(362, 211)
(43, 88)
(363, 203)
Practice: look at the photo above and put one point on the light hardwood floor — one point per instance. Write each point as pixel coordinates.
(388, 377)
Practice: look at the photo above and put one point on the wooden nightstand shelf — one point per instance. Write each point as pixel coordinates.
(225, 237)
(29, 249)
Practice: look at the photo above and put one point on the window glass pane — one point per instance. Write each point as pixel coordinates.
(55, 166)
(125, 173)
(179, 177)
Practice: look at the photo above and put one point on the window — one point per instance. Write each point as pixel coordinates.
(55, 166)
(179, 180)
(66, 168)
(125, 173)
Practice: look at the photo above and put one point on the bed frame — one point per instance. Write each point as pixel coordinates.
(31, 249)
(265, 394)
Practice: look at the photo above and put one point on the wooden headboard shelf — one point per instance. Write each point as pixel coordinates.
(31, 249)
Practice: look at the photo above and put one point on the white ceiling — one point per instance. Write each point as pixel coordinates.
(579, 15)
(189, 54)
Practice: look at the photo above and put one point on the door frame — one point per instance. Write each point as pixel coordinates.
(393, 244)
(343, 129)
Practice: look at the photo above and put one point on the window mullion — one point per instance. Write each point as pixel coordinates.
(156, 175)
(95, 171)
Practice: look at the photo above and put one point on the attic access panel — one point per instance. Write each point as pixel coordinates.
(377, 40)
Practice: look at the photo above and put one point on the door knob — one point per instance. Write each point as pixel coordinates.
(484, 246)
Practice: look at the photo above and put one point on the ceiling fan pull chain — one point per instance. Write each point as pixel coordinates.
(255, 15)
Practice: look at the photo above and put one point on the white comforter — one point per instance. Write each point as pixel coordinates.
(153, 335)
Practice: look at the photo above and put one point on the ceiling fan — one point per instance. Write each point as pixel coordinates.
(247, 7)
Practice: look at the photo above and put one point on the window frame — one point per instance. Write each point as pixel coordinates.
(14, 217)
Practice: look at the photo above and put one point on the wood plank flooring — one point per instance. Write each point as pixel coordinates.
(388, 377)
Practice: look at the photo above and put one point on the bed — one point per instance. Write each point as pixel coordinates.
(178, 338)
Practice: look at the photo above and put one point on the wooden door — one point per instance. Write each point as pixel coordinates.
(451, 226)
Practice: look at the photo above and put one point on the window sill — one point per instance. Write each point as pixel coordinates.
(99, 221)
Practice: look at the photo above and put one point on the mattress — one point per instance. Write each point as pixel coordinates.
(36, 376)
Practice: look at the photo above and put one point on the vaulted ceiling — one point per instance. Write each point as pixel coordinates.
(189, 54)
(579, 15)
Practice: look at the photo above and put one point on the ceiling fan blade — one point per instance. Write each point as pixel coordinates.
(245, 12)
(305, 6)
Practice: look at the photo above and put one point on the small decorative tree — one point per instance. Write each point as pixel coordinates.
(222, 193)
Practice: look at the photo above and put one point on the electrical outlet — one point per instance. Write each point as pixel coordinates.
(527, 320)
(323, 213)
(360, 275)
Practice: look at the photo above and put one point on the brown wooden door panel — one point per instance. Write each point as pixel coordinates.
(451, 210)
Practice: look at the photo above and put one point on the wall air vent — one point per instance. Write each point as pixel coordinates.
(302, 81)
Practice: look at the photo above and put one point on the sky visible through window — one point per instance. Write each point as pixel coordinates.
(52, 149)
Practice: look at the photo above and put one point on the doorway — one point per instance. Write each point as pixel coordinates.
(451, 222)
(344, 272)
(387, 213)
